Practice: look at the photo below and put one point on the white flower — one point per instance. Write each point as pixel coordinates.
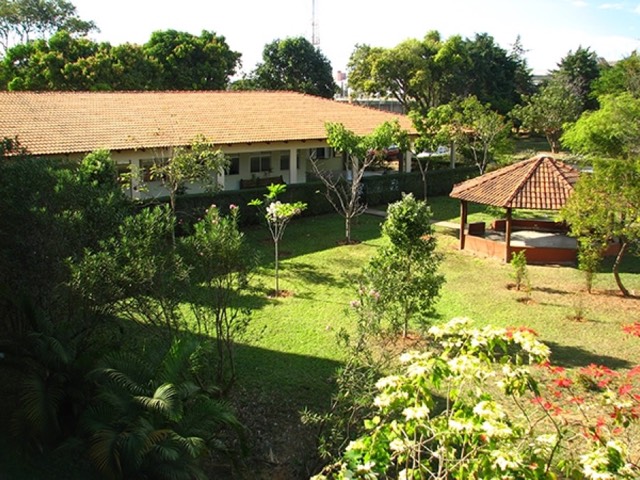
(489, 410)
(416, 412)
(390, 381)
(383, 400)
(496, 430)
(397, 445)
(460, 426)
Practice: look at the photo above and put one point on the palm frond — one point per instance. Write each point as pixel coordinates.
(164, 401)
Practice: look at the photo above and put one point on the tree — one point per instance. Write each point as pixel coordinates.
(548, 111)
(64, 62)
(611, 131)
(278, 216)
(189, 62)
(605, 207)
(423, 74)
(137, 274)
(200, 162)
(478, 131)
(401, 280)
(623, 76)
(344, 192)
(25, 20)
(48, 221)
(580, 69)
(220, 261)
(419, 74)
(295, 64)
(494, 77)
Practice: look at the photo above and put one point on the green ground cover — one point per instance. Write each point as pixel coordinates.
(292, 349)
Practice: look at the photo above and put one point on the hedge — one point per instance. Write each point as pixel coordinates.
(377, 190)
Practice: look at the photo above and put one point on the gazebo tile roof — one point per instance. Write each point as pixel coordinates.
(540, 183)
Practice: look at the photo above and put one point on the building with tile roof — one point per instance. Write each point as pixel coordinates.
(264, 133)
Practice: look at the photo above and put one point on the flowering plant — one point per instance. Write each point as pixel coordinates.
(486, 403)
(278, 216)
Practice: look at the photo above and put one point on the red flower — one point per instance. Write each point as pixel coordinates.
(624, 389)
(563, 382)
(632, 329)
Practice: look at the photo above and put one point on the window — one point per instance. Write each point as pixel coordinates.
(321, 153)
(284, 162)
(261, 163)
(234, 166)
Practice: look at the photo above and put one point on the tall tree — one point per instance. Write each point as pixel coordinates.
(422, 74)
(64, 62)
(478, 131)
(549, 110)
(190, 62)
(295, 64)
(580, 69)
(612, 131)
(623, 76)
(494, 76)
(344, 191)
(605, 207)
(24, 20)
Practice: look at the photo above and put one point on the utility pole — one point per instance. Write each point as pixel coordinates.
(315, 39)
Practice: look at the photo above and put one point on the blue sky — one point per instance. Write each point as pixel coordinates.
(549, 29)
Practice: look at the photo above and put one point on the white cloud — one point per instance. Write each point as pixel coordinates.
(611, 6)
(637, 10)
(580, 3)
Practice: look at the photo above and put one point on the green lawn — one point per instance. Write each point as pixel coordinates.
(291, 350)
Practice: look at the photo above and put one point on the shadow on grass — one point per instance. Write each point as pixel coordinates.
(568, 356)
(309, 273)
(300, 380)
(311, 234)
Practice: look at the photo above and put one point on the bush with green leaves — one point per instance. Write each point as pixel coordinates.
(486, 403)
(154, 417)
(221, 265)
(520, 272)
(401, 283)
(137, 274)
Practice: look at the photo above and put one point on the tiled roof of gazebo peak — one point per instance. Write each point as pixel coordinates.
(540, 183)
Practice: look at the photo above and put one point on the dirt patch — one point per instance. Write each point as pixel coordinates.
(345, 242)
(279, 446)
(281, 294)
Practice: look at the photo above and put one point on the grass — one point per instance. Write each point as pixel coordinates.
(288, 359)
(302, 328)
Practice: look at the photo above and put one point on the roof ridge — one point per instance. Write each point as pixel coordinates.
(534, 164)
(492, 175)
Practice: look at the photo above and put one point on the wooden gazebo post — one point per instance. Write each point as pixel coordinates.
(507, 236)
(463, 221)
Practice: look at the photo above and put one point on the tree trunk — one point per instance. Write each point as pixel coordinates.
(347, 229)
(616, 269)
(277, 289)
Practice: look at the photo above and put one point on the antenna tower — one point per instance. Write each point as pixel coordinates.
(315, 39)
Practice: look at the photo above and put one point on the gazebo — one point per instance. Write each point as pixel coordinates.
(540, 183)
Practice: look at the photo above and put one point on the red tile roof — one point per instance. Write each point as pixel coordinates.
(69, 122)
(540, 183)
